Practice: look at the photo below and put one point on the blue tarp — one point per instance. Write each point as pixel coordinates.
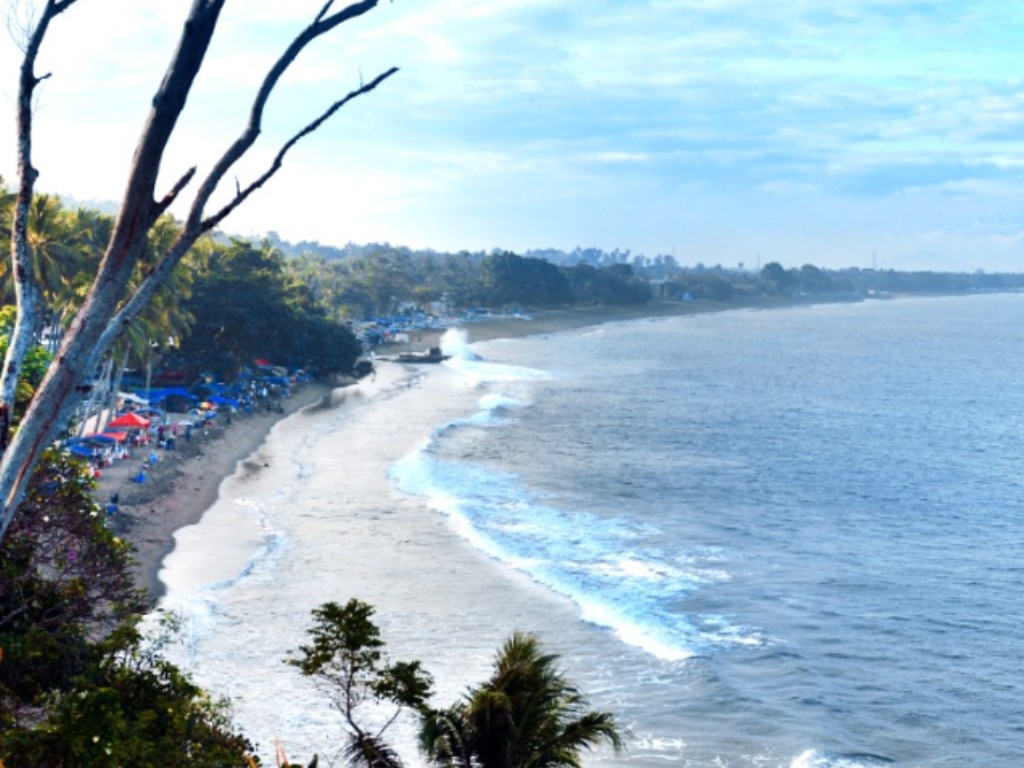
(159, 395)
(223, 400)
(80, 450)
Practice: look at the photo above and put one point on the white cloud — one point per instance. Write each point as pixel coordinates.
(531, 123)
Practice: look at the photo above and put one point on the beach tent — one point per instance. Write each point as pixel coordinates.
(81, 450)
(129, 420)
(159, 395)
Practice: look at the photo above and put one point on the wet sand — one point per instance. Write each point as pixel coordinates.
(185, 483)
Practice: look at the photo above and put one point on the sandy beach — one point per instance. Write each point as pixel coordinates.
(186, 482)
(324, 521)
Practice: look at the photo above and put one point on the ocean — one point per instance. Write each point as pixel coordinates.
(783, 538)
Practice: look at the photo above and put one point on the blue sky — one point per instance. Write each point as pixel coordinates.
(723, 131)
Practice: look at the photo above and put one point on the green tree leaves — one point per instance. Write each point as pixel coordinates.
(526, 715)
(245, 305)
(78, 688)
(346, 656)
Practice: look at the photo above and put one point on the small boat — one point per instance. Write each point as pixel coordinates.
(432, 355)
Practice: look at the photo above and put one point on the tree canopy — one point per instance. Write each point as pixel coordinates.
(78, 686)
(526, 715)
(246, 305)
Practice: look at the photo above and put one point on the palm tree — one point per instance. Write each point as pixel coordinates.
(163, 320)
(527, 715)
(57, 246)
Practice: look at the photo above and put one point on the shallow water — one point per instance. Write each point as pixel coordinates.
(786, 538)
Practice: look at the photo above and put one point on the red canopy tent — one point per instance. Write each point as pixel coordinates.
(129, 420)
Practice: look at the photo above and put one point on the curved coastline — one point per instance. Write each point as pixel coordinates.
(187, 482)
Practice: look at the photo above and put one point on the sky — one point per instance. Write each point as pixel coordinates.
(853, 133)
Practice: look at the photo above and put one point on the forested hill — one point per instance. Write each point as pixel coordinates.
(548, 277)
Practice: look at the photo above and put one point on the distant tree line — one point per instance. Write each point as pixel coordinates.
(374, 279)
(380, 281)
(724, 285)
(232, 300)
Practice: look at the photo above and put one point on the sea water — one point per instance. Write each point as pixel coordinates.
(761, 538)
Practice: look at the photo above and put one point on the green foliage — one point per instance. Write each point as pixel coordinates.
(129, 711)
(526, 715)
(33, 367)
(701, 285)
(510, 279)
(245, 305)
(78, 686)
(346, 657)
(611, 285)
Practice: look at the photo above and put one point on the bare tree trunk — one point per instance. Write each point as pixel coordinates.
(107, 308)
(51, 405)
(28, 293)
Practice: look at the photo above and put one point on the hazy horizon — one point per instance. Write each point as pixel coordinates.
(722, 131)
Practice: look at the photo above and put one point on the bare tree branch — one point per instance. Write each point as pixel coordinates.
(195, 224)
(172, 195)
(275, 166)
(28, 293)
(107, 309)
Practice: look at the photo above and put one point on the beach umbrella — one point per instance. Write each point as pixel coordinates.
(129, 420)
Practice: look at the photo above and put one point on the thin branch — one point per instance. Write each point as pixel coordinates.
(172, 195)
(195, 224)
(322, 24)
(210, 222)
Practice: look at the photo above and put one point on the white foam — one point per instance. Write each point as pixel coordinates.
(475, 370)
(813, 758)
(455, 343)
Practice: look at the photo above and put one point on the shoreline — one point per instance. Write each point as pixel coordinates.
(186, 483)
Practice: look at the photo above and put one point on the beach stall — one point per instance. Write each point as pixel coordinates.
(102, 447)
(78, 449)
(130, 420)
(136, 425)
